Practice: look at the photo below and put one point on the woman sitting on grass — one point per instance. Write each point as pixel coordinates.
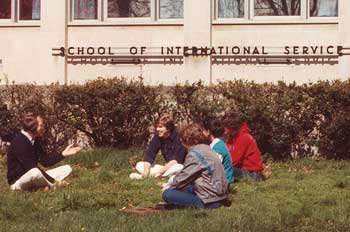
(202, 183)
(245, 154)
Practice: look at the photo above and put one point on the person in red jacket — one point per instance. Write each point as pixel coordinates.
(244, 151)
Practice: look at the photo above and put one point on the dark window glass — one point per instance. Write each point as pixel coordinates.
(29, 10)
(324, 8)
(231, 8)
(85, 9)
(171, 9)
(5, 9)
(129, 8)
(276, 7)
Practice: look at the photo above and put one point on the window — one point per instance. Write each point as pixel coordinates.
(14, 11)
(5, 9)
(324, 8)
(276, 7)
(112, 11)
(231, 8)
(85, 9)
(129, 8)
(29, 9)
(171, 9)
(260, 9)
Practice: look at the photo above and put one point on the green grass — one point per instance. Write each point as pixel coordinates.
(301, 195)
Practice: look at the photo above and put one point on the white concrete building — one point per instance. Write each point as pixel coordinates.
(172, 41)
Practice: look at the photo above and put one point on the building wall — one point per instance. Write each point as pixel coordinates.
(25, 49)
(275, 38)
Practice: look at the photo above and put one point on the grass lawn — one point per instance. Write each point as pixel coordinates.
(300, 195)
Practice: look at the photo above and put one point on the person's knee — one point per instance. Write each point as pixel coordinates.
(167, 195)
(67, 168)
(35, 172)
(178, 167)
(140, 167)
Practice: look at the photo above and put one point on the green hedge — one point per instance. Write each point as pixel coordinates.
(286, 119)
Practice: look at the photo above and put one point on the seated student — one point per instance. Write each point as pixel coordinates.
(168, 141)
(26, 151)
(214, 130)
(202, 182)
(245, 154)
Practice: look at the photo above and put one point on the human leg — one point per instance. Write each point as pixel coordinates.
(237, 172)
(60, 173)
(173, 170)
(183, 198)
(34, 178)
(253, 175)
(140, 168)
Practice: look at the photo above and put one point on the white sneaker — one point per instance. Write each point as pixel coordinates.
(135, 176)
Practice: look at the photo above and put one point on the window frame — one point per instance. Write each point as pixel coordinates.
(15, 17)
(71, 11)
(320, 17)
(12, 18)
(30, 21)
(250, 18)
(158, 18)
(128, 19)
(103, 18)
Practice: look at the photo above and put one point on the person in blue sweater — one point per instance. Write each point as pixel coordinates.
(214, 130)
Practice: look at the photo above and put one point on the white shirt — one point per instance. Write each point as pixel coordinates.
(26, 134)
(215, 141)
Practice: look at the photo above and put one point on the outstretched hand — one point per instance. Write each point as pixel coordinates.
(71, 149)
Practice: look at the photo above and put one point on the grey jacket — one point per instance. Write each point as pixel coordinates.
(205, 172)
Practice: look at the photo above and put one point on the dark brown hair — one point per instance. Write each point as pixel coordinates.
(29, 122)
(214, 126)
(192, 134)
(233, 120)
(167, 121)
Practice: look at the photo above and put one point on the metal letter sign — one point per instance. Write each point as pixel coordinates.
(220, 55)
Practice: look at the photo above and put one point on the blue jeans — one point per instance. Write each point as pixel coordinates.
(254, 175)
(186, 197)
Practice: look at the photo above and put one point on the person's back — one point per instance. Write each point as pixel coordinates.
(213, 129)
(220, 148)
(213, 177)
(202, 183)
(19, 145)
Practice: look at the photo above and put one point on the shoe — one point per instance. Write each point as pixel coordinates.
(135, 176)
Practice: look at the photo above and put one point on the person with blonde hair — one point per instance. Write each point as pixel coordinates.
(167, 141)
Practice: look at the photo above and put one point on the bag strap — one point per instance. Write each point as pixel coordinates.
(202, 160)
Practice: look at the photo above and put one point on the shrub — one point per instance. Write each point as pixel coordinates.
(37, 99)
(110, 112)
(196, 101)
(286, 119)
(332, 103)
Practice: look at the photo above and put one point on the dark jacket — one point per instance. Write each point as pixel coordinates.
(171, 148)
(22, 156)
(203, 169)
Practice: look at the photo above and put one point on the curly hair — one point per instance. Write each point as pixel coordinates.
(192, 134)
